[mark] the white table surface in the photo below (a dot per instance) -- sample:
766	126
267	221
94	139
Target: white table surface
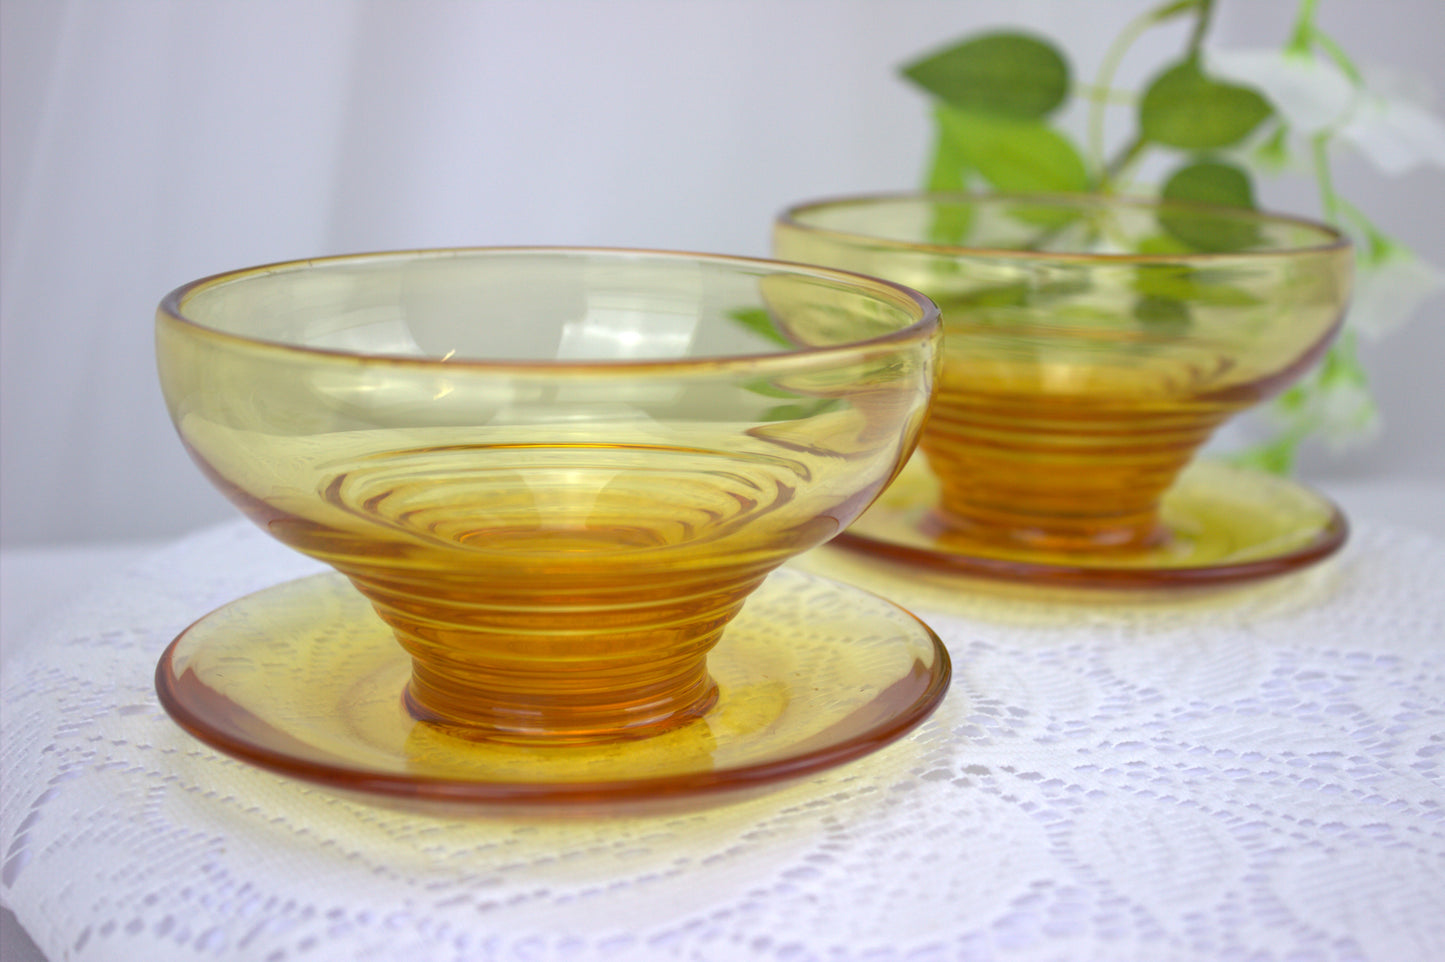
35	579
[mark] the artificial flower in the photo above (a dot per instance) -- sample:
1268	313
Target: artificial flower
1396	135
1391	283
1309	93
1314	95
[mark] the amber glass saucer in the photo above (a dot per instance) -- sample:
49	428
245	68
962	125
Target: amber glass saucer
303	679
1224	524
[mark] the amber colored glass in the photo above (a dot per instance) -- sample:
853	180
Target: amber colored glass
1092	346
303	679
557	475
1225	524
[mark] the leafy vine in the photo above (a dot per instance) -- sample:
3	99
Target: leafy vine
1221	118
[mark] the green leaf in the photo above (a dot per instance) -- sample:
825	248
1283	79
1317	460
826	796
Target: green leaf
1183	108
1206	229
1015	155
1272	154
948	173
1210	182
1190	285
1276	456
1003	73
1217	184
1052	216
947	170
765	387
1012	294
950	224
1164	315
1163	244
796	412
759	321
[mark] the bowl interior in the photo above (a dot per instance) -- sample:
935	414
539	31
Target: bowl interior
510	402
1084	296
1086	225
546	306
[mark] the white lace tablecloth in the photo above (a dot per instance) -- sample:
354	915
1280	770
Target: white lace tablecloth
1253	775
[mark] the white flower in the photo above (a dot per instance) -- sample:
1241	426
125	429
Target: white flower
1345	414
1313	95
1396	135
1309	93
1391	283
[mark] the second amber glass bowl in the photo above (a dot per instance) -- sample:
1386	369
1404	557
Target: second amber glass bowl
1092	345
556	475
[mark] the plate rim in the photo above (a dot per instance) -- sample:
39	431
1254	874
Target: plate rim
1331	536
483	794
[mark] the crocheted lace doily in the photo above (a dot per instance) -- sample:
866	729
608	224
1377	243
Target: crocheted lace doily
1248	775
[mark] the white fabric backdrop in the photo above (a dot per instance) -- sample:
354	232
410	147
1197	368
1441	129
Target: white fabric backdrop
147	143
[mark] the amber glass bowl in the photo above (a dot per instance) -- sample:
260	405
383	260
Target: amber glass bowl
555	474
1092	345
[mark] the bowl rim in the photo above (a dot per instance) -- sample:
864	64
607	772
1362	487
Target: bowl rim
927	326
1332	239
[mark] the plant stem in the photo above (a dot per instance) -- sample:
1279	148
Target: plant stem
1109	66
1304	27
1329	200
1338	55
1203	17
1120	163
1201	27
1100	95
1377	244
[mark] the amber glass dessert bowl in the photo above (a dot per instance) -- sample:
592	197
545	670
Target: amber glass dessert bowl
555	476
1092	346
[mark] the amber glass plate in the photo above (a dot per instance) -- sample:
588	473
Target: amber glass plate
304	680
1224	524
